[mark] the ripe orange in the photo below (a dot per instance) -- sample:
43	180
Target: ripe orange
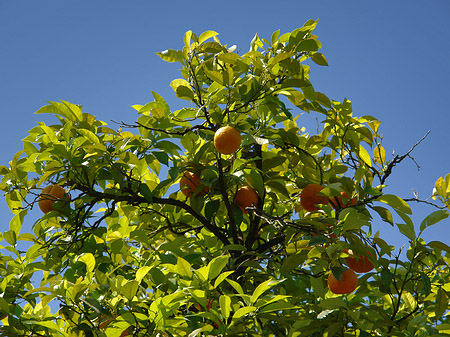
49	195
189	184
309	197
245	197
338	203
227	140
346	285
360	264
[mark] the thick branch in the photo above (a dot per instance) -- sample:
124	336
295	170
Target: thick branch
136	199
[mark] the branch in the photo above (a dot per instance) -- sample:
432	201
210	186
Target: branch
167	132
136	199
398	159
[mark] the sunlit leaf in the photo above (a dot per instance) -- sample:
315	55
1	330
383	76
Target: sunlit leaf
395	202
433	218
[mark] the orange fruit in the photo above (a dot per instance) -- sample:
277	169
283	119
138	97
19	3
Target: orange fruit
189	184
227	140
309	197
245	197
49	195
337	202
360	264
347	284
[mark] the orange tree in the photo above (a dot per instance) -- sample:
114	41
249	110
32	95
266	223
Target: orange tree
129	253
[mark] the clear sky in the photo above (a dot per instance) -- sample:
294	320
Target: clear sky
391	58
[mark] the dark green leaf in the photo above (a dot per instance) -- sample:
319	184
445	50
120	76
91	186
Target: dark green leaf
211	208
162	157
293	261
308	45
439	245
426	283
386	277
337	272
145	191
319	59
407	230
441	303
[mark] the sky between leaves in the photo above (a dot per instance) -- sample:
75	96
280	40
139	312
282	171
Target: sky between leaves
391	59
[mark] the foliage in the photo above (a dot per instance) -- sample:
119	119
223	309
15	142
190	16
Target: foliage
130	253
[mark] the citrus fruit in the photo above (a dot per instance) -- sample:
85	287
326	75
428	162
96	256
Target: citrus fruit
309	197
338	203
227	140
360	264
49	195
245	197
347	284
189	184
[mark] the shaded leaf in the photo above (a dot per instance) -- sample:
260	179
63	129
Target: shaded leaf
319	59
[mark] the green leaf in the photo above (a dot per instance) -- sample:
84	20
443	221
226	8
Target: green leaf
171	55
184	268
441	303
65	109
308	45
145	191
140	274
407	230
216	76
89	260
236	286
10	237
211	208
216	266
379	155
433	218
243	311
254	179
211	47
130	289
319	59
386	277
384	214
221	278
426	282
263	287
182	89
4	307
439	245
206	35
157	276
225	305
16	222
395	202
293	261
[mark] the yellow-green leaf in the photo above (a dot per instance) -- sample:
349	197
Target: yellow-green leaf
379	155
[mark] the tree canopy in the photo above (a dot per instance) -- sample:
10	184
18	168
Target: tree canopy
149	228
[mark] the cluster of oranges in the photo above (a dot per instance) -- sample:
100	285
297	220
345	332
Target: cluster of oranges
227	140
310	198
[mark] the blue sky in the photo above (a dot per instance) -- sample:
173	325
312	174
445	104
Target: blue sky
391	58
